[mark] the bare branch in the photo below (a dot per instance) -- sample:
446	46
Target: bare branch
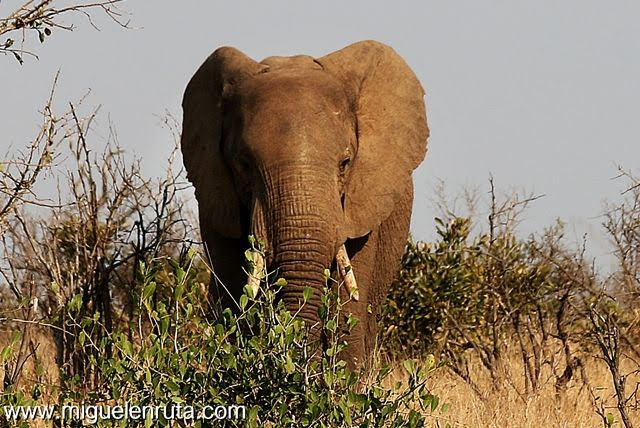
41	17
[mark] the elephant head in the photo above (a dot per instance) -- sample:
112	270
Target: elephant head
303	153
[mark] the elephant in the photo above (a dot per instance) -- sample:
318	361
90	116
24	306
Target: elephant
314	157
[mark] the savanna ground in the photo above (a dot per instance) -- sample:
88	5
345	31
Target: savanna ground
103	299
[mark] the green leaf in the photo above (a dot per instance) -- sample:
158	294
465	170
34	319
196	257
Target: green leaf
229	361
164	325
148	291
307	292
173	388
6	352
323	311
191	253
253	413
383	372
75	303
243	301
249	291
430	362
180	274
434	402
352	321
178	292
610	419
289	366
409	366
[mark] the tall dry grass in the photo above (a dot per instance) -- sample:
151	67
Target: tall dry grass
546	408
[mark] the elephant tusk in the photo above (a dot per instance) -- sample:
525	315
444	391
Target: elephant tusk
256	273
346	272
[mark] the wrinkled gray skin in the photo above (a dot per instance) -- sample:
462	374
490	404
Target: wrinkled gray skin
307	154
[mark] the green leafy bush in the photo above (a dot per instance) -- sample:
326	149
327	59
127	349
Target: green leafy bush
435	281
482	294
259	356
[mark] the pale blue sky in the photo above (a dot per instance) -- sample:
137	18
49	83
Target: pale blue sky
542	94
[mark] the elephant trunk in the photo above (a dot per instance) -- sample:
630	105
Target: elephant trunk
302	262
301	228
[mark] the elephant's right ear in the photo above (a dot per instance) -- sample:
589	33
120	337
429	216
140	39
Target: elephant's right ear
218	201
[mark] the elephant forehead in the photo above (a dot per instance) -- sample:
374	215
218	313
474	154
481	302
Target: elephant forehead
293	108
293	88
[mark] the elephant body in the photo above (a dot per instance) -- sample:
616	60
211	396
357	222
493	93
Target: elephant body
307	155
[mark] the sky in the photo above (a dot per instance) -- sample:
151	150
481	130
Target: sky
542	95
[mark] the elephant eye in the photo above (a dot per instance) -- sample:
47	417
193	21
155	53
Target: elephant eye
344	164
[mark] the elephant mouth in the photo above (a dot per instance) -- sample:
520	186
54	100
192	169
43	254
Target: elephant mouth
342	262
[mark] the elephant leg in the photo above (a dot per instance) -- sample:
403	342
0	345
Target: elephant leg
362	252
228	278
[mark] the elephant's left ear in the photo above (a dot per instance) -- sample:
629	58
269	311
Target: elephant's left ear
391	125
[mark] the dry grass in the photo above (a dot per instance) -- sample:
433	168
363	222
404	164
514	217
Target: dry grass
41	365
505	407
